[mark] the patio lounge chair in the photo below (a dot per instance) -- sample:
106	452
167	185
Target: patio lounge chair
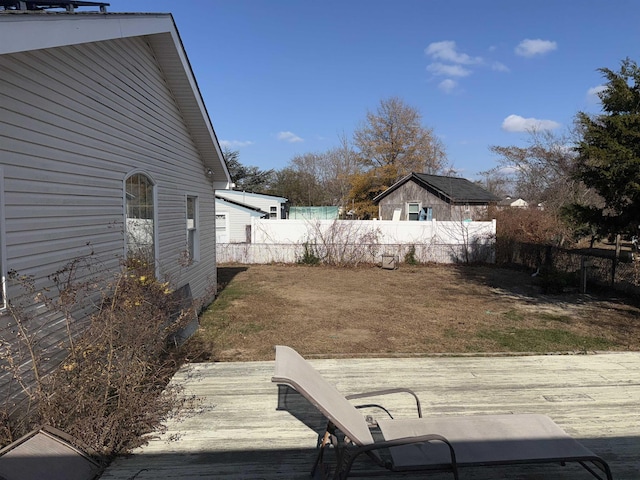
442	443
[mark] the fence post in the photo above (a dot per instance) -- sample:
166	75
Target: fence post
614	264
584	264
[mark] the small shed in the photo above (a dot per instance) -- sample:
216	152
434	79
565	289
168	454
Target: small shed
420	196
237	208
233	220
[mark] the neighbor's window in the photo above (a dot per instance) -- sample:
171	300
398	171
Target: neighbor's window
192	229
140	214
426	214
413	211
273	211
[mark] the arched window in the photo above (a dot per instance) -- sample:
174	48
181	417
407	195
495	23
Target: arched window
140	215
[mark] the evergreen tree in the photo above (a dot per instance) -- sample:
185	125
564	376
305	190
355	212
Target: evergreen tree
247	178
609	153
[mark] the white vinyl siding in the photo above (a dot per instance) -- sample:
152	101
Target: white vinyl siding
222	227
238	219
84	117
3	257
75	122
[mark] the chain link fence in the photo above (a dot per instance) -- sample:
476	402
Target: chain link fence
601	267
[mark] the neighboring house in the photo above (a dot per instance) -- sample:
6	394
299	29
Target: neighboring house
419	196
105	147
237	207
509	202
272	205
233	220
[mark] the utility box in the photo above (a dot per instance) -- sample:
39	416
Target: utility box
389	262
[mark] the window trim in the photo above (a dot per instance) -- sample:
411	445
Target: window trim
194	256
156	247
417	213
274	209
226	225
3	246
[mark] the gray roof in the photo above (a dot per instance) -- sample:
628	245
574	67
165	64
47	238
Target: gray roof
242	205
452	189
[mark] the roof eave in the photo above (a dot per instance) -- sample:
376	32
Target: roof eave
65	29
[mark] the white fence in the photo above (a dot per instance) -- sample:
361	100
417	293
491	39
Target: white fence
362	241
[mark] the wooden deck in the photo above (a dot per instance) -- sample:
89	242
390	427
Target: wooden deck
231	429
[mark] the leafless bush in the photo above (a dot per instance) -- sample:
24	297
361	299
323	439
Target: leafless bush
341	243
110	390
471	245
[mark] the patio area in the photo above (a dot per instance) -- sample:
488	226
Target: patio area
230	427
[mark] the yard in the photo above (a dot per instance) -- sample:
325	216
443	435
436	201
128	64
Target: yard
414	310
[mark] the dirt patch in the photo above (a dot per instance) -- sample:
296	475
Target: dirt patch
428	309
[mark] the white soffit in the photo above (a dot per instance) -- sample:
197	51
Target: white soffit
20	32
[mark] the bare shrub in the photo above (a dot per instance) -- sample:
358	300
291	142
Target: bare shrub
341	243
467	243
110	390
529	226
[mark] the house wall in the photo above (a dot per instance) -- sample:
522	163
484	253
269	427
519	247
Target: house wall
238	219
411	192
74	122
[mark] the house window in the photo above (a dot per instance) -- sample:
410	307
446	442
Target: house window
3	253
426	214
222	235
273	211
413	211
140	217
193	249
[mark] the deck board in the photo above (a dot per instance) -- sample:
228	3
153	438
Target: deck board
230	428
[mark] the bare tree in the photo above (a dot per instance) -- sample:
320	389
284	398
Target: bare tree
319	178
393	136
543	172
342	163
497	181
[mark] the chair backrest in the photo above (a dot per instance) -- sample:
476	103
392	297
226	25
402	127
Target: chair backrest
293	370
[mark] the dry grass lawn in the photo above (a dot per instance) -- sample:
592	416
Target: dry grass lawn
414	310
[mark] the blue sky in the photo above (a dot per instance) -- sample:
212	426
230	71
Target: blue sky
287	77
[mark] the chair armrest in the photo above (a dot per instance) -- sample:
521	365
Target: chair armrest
389	391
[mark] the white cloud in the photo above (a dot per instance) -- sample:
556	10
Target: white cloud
447	61
448	70
499	67
446	51
530	48
289	137
516	123
448	85
593	93
235	143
